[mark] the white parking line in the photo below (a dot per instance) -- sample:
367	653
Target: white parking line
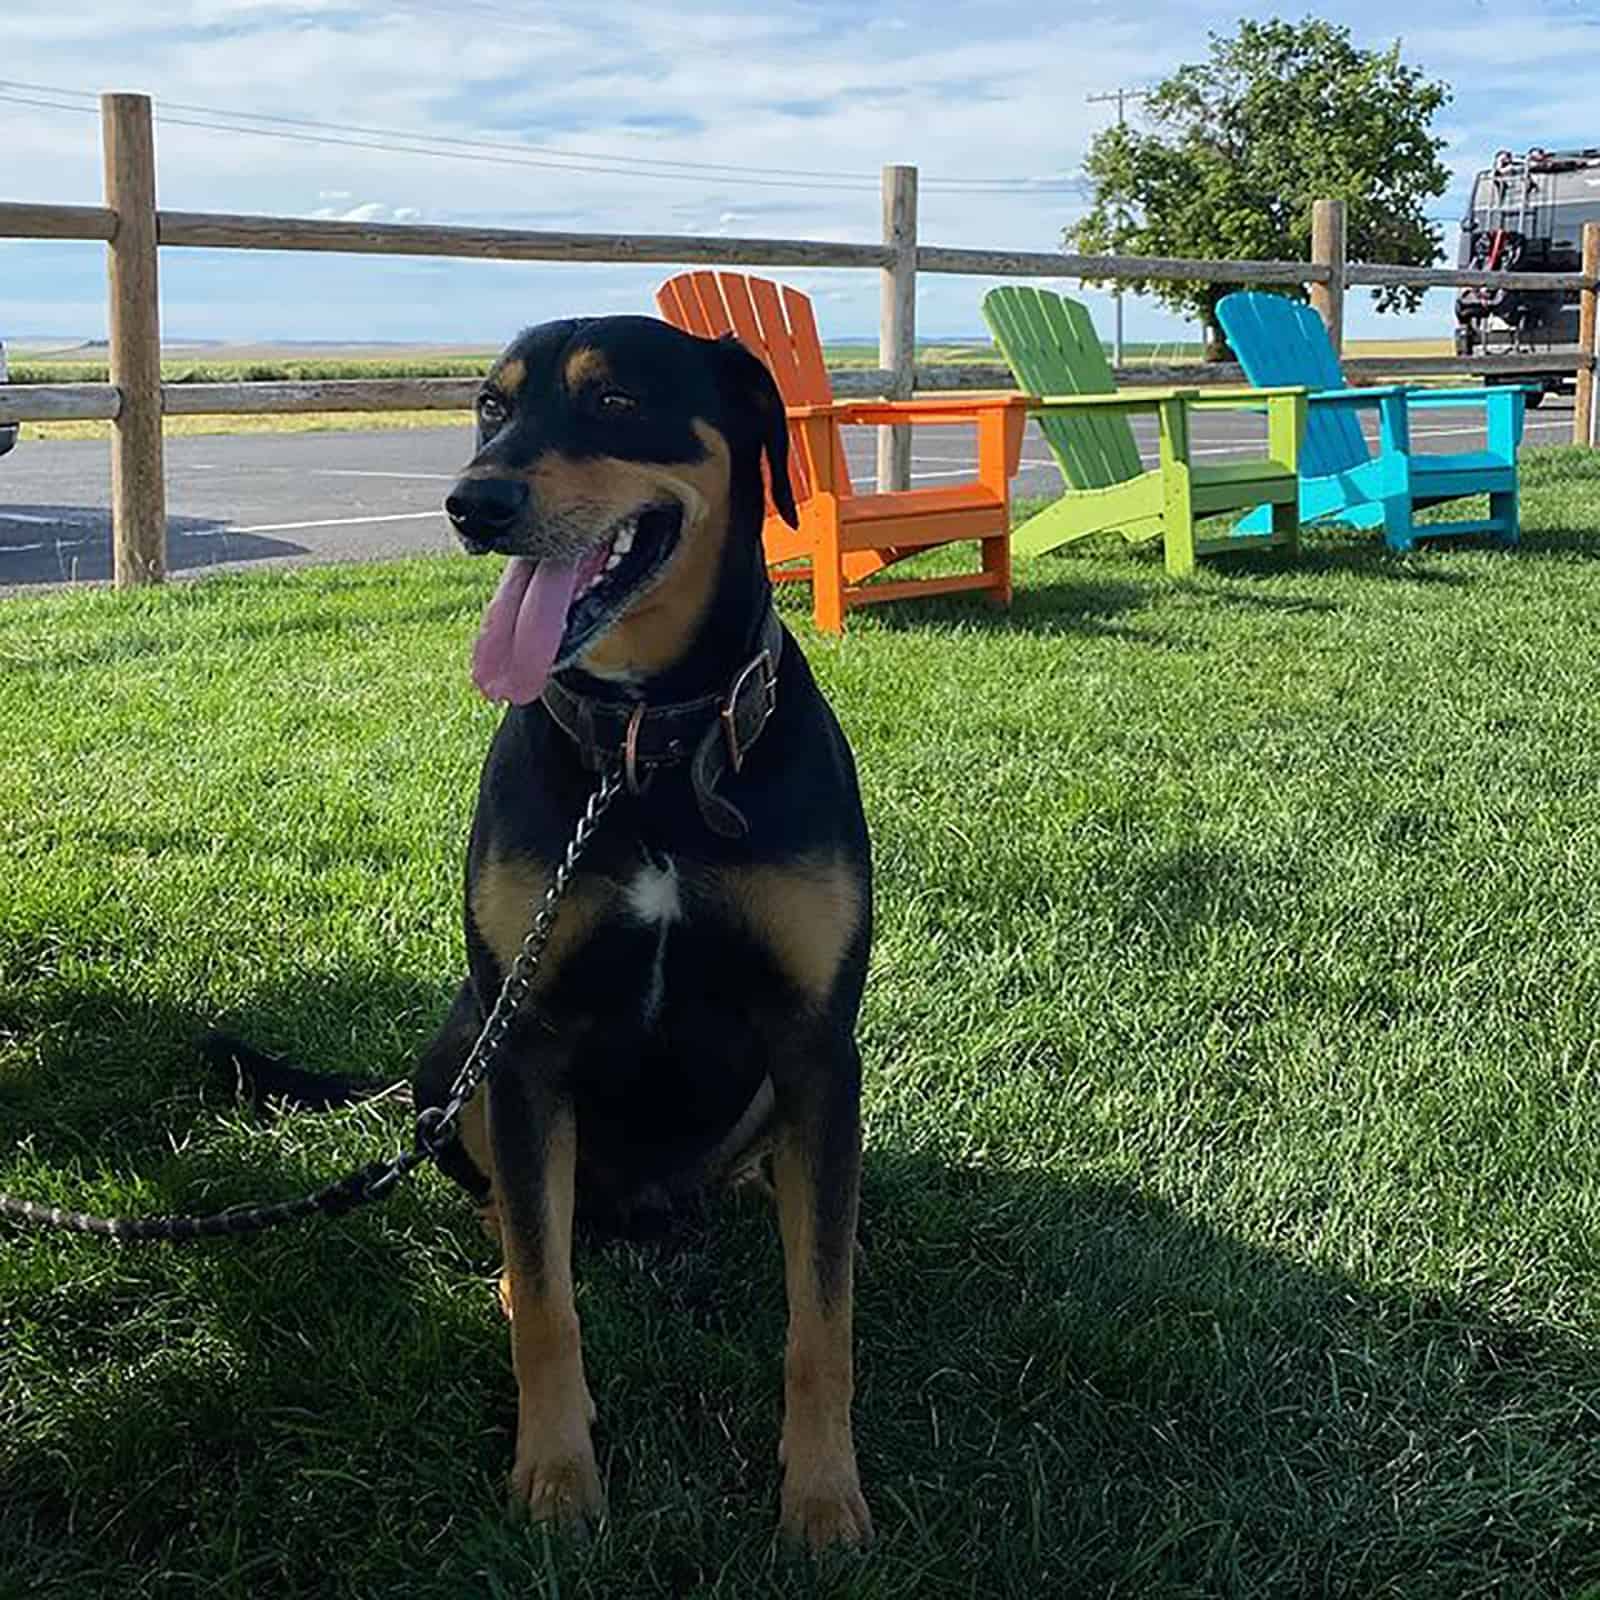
362	472
327	522
215	533
319	472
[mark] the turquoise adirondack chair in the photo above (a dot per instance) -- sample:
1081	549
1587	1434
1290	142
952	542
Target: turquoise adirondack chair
1281	341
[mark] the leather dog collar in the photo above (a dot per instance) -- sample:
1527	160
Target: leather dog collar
713	732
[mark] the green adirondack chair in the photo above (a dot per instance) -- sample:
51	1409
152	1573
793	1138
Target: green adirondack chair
1051	346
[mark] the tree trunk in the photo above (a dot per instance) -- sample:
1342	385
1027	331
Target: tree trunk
1217	346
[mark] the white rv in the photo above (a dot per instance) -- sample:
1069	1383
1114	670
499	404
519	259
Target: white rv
1526	215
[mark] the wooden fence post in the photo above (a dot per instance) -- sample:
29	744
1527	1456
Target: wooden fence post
897	322
1327	250
1583	406
138	487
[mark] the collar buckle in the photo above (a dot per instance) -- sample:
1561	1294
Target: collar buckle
729	712
630	751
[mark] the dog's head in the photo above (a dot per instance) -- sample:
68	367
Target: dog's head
617	460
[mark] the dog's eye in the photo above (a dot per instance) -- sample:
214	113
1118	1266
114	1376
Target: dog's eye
491	410
614	403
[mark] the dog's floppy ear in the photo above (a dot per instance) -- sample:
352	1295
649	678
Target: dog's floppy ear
751	394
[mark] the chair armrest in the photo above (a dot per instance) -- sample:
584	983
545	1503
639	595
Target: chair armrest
1357	397
1468	397
1122	400
927	408
1244	397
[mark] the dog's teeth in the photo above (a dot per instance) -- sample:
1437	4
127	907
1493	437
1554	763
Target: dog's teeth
622	544
613	560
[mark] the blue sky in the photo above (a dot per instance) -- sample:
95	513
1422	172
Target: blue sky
965	91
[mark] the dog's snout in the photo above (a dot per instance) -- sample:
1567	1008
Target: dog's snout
486	510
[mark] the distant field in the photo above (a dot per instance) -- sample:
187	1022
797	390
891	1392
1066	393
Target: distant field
1399	347
269	363
190	369
263	364
266	364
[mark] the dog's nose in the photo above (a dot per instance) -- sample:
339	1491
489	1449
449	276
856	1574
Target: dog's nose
486	510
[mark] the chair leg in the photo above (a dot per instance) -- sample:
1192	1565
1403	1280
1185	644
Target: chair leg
997	563
1395	496
1398	532
1054	525
1506	510
1177	540
1286	525
1177	491
827	583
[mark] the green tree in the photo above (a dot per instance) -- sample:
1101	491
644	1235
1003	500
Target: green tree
1281	114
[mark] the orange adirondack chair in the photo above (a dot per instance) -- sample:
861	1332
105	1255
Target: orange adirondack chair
844	536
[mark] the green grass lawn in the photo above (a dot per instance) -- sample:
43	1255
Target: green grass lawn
1232	1196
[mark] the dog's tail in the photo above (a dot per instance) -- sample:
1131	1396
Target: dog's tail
263	1077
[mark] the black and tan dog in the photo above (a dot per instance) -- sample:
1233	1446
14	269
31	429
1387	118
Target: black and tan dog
698	998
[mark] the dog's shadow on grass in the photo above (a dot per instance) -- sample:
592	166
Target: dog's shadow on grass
1059	605
1085	1382
113	1081
1567	543
1056	596
1087	1354
1079	1377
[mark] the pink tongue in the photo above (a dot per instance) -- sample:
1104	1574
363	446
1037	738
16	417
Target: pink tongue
522	629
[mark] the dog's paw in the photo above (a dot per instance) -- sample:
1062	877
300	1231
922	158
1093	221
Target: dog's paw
825	1512
563	1491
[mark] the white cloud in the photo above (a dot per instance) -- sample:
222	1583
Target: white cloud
368	211
963	91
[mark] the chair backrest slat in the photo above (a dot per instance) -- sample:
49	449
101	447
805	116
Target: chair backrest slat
1281	341
1050	343
775	323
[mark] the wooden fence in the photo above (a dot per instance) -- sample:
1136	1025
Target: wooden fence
135	230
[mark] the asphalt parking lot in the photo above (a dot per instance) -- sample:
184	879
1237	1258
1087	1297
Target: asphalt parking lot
244	501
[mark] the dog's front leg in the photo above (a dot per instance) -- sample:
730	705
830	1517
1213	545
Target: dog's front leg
534	1139
816	1167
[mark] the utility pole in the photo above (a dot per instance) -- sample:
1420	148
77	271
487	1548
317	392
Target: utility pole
1121	96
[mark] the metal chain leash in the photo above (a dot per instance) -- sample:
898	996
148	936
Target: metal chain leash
436	1126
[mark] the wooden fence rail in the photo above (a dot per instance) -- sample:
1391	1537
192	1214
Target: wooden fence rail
70	402
135	230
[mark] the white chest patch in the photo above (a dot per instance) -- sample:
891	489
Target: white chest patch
652	896
653	893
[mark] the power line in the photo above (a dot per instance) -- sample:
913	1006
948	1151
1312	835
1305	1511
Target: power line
477	157
444	139
552	159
